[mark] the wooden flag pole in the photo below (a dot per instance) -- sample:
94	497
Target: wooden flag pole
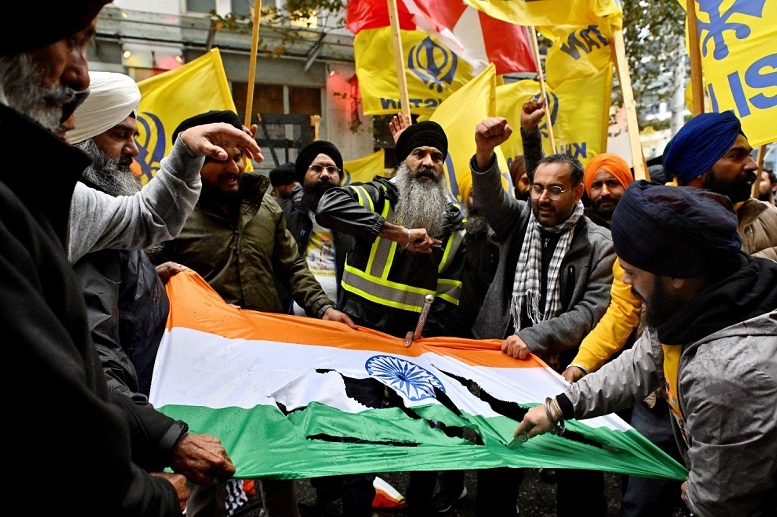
252	64
622	67
399	57
694	51
760	162
536	49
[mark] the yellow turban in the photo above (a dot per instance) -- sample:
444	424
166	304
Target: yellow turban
613	164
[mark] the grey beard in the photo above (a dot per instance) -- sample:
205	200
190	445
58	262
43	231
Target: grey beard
109	175
20	83
422	204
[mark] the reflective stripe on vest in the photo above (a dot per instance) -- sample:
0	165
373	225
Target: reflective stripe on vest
373	284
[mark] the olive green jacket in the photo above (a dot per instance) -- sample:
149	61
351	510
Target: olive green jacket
243	256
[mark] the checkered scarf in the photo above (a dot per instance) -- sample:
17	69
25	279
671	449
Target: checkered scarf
527	285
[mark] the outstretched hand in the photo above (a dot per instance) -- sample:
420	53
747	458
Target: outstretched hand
398	124
535	422
213	140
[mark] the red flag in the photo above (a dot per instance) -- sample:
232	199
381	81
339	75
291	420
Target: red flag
472	34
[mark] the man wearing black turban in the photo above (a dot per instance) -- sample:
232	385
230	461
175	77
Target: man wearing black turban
712	152
67	422
714	308
408	228
236	212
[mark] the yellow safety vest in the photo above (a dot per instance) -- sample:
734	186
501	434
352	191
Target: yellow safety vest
372	282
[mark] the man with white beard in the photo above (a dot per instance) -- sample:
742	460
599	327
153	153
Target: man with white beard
126	301
408	244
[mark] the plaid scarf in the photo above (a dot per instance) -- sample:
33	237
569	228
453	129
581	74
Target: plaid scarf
527	286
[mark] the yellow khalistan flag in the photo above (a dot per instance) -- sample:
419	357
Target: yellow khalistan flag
578	109
432	71
553	12
458	115
738	62
364	169
171	97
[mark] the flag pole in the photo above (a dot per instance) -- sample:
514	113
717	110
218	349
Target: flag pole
694	51
622	67
252	64
536	49
760	161
399	57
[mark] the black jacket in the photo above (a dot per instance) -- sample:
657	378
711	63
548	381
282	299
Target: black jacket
127	308
339	210
58	404
300	225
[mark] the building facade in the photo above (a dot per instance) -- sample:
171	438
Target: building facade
304	81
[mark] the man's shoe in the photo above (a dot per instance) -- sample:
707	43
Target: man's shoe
444	501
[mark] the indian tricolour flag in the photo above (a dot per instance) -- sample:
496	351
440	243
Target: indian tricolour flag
270	386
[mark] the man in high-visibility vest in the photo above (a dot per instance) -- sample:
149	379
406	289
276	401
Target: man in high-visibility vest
408	245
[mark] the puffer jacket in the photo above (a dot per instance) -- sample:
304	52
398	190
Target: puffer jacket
758	228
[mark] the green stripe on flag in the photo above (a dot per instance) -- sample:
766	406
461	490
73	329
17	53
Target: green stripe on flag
320	441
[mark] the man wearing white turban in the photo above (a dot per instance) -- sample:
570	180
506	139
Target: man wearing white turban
112	98
126	301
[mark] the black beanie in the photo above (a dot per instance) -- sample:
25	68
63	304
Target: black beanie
679	232
308	153
426	133
211	117
283	174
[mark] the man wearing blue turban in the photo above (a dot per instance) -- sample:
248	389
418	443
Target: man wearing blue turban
713	153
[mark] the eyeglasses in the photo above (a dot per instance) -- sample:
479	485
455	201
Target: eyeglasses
554	191
318	169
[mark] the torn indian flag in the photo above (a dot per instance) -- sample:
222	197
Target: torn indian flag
270	386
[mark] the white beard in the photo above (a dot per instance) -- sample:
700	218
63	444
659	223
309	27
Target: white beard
422	204
21	82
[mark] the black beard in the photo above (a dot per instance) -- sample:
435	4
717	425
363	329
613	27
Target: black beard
114	177
230	199
21	81
661	307
604	213
737	191
312	192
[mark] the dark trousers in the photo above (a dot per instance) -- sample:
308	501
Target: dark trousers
498	491
647	497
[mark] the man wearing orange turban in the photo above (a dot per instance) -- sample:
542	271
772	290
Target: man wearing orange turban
606	178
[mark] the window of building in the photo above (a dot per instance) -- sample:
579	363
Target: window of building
200	6
288	118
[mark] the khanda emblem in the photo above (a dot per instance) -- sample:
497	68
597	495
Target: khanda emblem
434	64
152	144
